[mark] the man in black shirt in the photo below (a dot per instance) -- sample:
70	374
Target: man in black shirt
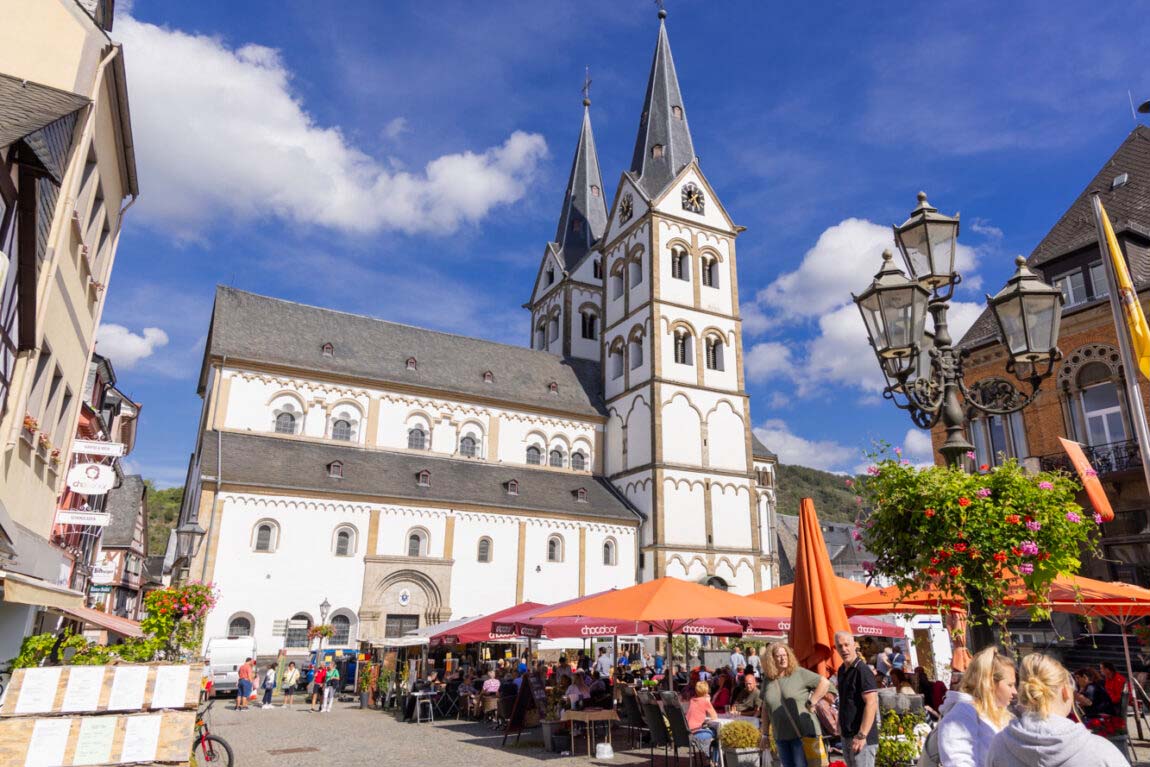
858	705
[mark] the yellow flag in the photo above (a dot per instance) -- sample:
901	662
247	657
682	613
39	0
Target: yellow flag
1128	297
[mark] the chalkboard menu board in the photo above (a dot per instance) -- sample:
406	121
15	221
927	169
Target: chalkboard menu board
531	690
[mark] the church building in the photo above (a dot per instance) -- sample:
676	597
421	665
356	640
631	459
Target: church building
382	477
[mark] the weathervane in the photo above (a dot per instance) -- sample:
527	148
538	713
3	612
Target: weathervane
586	90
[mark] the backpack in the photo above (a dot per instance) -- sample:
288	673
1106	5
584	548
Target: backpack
929	756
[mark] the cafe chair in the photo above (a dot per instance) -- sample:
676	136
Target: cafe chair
680	732
659	734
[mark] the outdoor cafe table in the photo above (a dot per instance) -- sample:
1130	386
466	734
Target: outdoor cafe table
588	717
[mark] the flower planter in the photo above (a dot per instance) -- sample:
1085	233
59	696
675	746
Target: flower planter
364	699
742	757
552	740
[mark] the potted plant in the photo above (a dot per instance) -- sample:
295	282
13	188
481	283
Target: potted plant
31	425
740	744
551	723
365	684
1113	728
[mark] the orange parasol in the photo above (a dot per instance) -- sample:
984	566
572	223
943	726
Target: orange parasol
891	599
817	609
784	595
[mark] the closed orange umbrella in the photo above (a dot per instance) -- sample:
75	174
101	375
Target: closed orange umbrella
960	657
816	609
784	595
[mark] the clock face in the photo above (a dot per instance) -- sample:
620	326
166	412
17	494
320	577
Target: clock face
627	207
693	198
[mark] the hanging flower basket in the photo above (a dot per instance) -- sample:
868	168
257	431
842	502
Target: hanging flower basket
31	425
54	456
44	442
326	631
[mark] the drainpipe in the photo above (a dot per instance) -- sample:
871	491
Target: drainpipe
219	470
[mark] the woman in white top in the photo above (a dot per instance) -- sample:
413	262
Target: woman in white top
291	679
1045	736
578	692
972	716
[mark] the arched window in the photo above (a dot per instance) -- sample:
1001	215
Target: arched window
656	151
714	354
680	264
340	631
578	461
412	363
469	446
581	495
423	479
417	543
534	456
555	458
635	352
715	582
1101	407
615	362
484	553
297	629
335	469
617	284
239	626
635	271
683	347
710	273
285	423
265	537
598	268
416	439
488	377
341	429
541	337
590	325
555	548
551	275
327	350
344	542
512	487
609	553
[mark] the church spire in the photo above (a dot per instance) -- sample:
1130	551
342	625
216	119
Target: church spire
584	215
663	146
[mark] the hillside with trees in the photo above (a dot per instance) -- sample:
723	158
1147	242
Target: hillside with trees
163	513
834	501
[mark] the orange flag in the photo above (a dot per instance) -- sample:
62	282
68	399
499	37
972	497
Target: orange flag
1089	479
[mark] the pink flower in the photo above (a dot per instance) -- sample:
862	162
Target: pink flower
1033	526
983	492
1045	486
1026	568
905	462
1029	548
850	483
872	470
1097	518
1072	517
898	451
856	535
970	454
868	566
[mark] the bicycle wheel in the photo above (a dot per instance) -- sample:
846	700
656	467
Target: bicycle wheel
214	750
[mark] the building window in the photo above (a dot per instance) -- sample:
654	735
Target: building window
285	423
424	478
484	553
635	270
597	268
239	626
335	469
534	456
327	350
412	363
656	151
635	352
683	348
540	337
400	625
555	458
609	553
581	495
513	487
553	325
553	387
680	264
416	439
488	377
590	325
710	273
998	438
417	543
340	631
1101	408
297	629
714	354
341	430
615	362
555	549
578	461
344	542
468	446
617	284
677	112
1082	284
265	537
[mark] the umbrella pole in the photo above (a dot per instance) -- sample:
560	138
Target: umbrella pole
669	663
1130	678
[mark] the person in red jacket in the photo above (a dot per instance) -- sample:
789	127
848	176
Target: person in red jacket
1115	683
317	687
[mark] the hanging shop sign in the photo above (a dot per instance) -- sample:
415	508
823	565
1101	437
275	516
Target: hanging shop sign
91	447
91	478
72	517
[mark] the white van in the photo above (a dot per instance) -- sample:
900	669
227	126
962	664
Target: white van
224	656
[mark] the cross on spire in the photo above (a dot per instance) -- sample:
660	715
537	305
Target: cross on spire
662	10
586	90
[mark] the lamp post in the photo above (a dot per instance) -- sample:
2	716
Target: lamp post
923	371
324	606
189	537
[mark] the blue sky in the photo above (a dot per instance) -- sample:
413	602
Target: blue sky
407	160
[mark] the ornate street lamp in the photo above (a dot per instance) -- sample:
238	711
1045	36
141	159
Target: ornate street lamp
324	606
189	537
923	370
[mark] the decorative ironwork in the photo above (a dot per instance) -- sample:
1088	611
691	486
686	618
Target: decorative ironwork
1109	458
995	396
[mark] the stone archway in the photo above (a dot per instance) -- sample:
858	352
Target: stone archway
413	598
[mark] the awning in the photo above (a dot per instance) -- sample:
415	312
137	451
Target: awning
26	107
24	590
114	623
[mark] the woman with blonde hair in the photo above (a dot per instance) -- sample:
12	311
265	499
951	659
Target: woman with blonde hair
1044	736
790	693
975	713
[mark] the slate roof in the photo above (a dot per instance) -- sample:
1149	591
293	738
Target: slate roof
659	125
846	560
264	329
293	464
26	107
123	505
1128	207
759	450
584	216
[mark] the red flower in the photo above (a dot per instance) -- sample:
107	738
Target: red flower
934	560
983	467
955	572
1016	551
944	554
964	501
960	547
1000	556
1044	555
929	512
1013	519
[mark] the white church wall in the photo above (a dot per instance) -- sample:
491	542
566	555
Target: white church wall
682	429
616	301
254	400
638	430
726	437
731	513
601	576
396	524
686	566
478	587
518	431
550	581
684	509
638	210
637	487
738	572
712	215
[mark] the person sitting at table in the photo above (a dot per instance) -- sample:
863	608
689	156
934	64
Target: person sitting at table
722	690
748	696
699	712
600	692
490	684
578	692
680	675
563	672
899	682
1092	695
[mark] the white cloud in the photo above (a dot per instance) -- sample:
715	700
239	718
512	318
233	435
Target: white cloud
769	360
124	348
916	447
798	451
755	322
841	354
395	128
219	131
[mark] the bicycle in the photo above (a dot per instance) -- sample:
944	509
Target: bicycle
206	747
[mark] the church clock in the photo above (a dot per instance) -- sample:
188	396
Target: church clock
693	198
626	207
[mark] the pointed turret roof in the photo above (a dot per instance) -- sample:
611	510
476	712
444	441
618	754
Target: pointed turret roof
662	124
584	215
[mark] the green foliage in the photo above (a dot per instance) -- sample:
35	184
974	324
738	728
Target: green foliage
967	534
739	735
898	742
75	650
175	618
163	513
833	498
684	647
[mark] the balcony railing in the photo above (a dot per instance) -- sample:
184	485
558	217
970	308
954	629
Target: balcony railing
1106	459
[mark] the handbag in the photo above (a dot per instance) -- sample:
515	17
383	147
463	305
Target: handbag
813	748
